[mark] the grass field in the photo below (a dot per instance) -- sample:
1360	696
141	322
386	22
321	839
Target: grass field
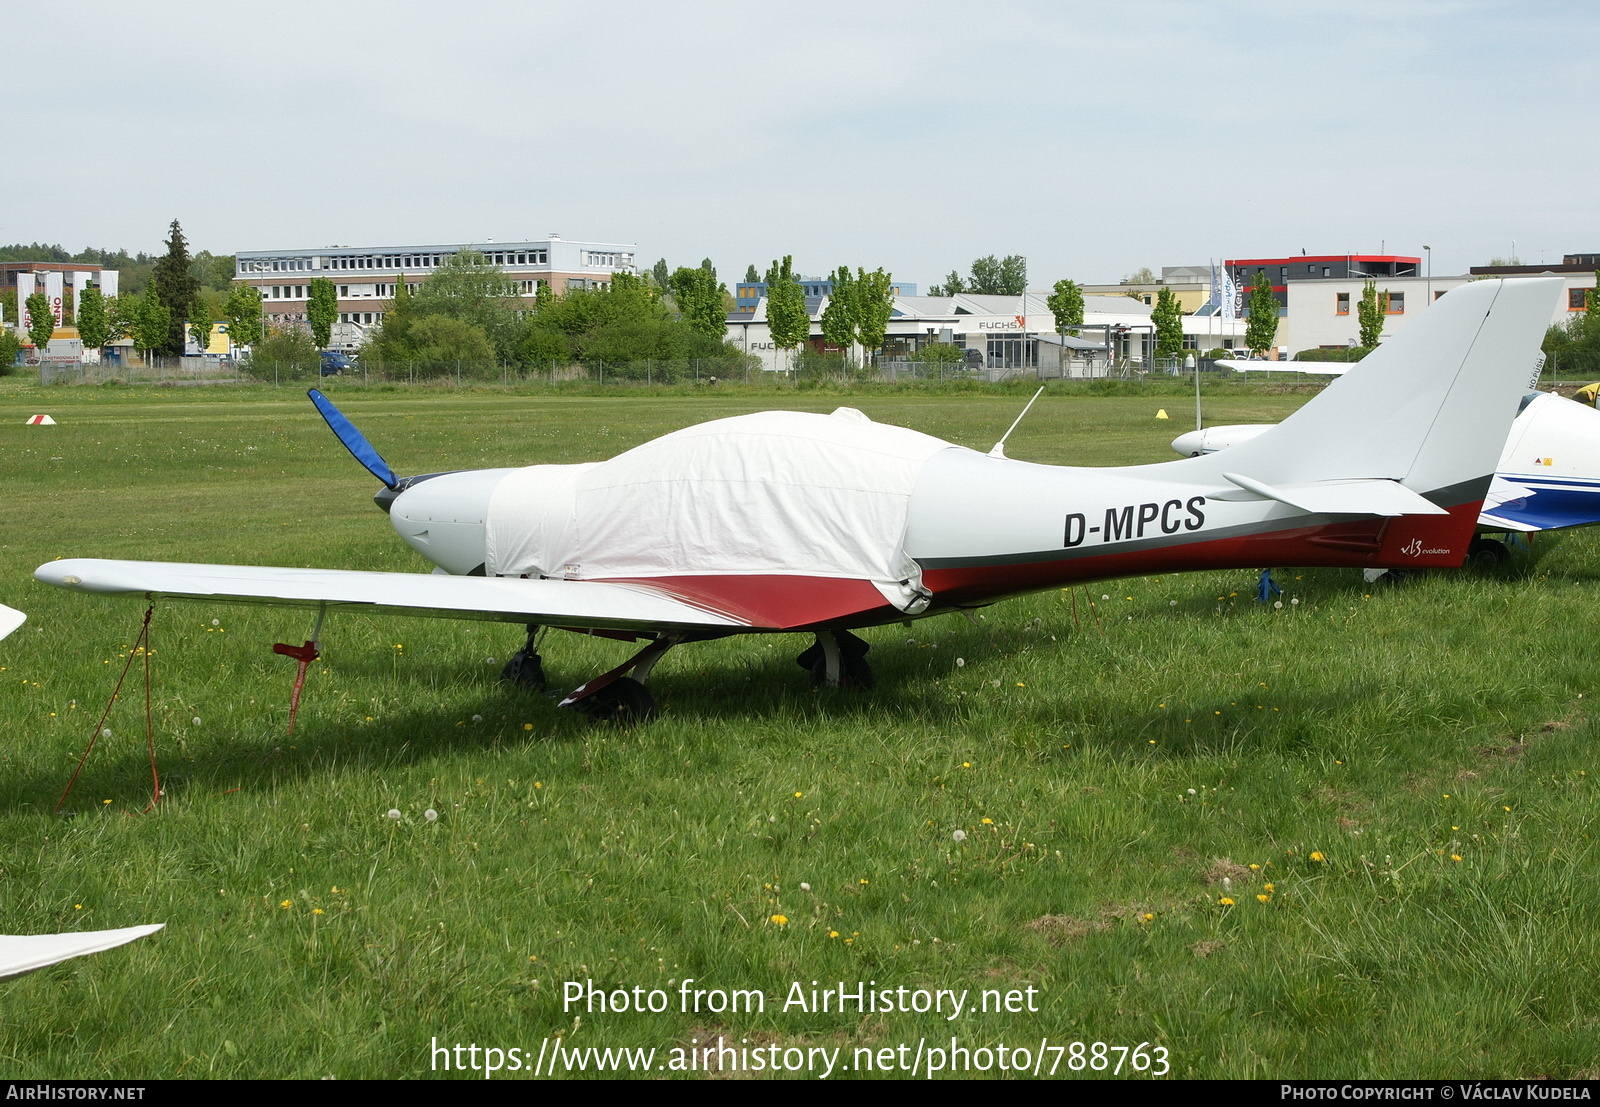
1393	785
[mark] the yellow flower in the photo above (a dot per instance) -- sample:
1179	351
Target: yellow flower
780	920
1021	685
1455	857
1505	809
798	795
849	941
1255	866
287	903
1225	901
1263	898
1147	916
986	822
966	764
1268	886
108	801
317	911
863	882
77	907
1316	855
833	933
527	726
538	784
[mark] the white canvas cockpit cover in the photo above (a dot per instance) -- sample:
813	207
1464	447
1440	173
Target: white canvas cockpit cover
776	492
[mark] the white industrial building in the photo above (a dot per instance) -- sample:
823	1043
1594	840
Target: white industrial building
1323	313
365	276
1007	333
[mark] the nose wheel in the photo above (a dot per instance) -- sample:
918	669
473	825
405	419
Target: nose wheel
838	658
525	669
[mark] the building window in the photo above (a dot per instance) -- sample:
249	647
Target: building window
1577	299
1325	271
1341	303
1397	303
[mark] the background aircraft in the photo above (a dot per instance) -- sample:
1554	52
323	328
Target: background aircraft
10	619
786	521
1548	476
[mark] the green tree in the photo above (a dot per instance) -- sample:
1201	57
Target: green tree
874	304
41	321
1168	320
1140	276
787	317
699	297
150	321
839	317
322	309
660	273
471	288
952	286
751	274
201	317
94	323
992	276
1066	304
1371	313
10	347
176	288
242	312
284	353
1261	314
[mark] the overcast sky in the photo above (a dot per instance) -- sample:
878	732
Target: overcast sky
1093	138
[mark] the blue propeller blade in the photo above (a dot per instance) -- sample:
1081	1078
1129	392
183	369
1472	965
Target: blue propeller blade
354	441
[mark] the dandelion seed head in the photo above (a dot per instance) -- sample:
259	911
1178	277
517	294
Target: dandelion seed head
195	721
804	887
394	813
431	815
958	835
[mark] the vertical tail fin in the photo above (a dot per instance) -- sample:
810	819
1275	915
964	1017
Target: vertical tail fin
1430	408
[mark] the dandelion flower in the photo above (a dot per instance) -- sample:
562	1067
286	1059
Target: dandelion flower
799	795
1264	898
988	822
430	814
864	882
1147	916
1316	855
105	801
105	732
1192	792
1255	866
958	835
1268	886
961	663
780	920
318	911
216	622
195	720
1021	685
1455	857
1225	901
286	904
966	764
527	726
833	933
1505	809
804	887
394	813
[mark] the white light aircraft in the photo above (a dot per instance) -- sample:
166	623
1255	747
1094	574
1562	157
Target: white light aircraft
1547	478
789	522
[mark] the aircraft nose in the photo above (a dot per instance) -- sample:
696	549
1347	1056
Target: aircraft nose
1190	443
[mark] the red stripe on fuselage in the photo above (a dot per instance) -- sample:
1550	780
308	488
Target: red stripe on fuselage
773	601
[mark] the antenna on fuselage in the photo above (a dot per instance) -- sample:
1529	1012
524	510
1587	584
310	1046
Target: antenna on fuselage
999	449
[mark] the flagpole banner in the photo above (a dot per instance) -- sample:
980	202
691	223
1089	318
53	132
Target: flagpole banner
24	290
52	289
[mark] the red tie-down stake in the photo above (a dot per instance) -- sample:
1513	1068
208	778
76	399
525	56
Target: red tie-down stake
304	655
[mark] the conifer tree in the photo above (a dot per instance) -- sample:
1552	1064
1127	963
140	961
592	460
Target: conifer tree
176	287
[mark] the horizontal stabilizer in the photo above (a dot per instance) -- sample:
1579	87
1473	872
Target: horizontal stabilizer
20	953
1343	497
579	603
10	619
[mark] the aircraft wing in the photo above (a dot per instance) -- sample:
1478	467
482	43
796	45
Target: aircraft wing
10	619
576	603
1320	368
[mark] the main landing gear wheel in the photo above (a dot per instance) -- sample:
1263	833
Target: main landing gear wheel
848	661
1487	554
525	669
624	701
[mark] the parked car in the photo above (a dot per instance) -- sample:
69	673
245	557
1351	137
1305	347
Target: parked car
333	363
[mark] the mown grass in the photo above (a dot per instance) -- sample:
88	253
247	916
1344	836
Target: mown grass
1110	771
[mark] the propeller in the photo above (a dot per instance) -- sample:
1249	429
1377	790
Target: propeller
354	441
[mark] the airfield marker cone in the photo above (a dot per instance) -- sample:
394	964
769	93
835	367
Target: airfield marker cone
40	421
